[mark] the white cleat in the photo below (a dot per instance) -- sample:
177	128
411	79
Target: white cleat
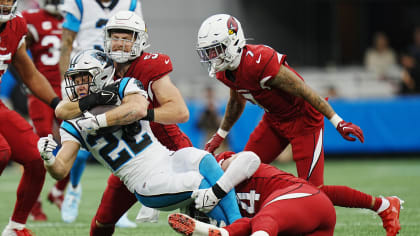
70	207
147	214
124	222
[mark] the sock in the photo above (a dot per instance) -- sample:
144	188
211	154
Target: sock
383	206
29	189
78	167
217	213
61	184
15	225
347	197
211	171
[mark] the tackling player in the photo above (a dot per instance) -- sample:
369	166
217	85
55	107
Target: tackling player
158	177
15	130
294	113
272	202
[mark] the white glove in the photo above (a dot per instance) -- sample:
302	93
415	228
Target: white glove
90	123
45	147
205	200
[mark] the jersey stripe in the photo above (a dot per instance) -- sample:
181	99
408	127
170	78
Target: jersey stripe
133	5
123	85
69	128
80	6
71	22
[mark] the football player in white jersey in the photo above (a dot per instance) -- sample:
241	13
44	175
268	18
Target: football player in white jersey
83	29
124	144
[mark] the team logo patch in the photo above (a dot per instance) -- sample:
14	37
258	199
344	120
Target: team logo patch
232	25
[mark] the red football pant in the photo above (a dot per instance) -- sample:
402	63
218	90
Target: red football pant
311	215
18	136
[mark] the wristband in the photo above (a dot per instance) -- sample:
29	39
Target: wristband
101	120
222	133
335	119
150	115
55	102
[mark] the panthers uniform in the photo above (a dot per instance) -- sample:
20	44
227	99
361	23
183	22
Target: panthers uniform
89	27
45	49
278	202
146	167
287	118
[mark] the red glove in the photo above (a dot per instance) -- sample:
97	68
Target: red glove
347	128
214	143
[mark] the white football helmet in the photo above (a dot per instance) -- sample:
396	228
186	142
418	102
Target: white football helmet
8	12
219	43
126	22
95	66
52	6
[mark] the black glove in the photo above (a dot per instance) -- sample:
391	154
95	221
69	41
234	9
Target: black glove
112	88
102	97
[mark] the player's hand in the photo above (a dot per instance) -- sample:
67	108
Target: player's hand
46	146
205	199
346	129
214	143
102	97
89	123
111	88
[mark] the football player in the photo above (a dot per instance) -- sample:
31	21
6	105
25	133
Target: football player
294	113
44	42
159	178
272	202
83	29
15	130
166	108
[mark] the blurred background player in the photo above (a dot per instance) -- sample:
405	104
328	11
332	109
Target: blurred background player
294	112
15	130
272	202
44	42
83	29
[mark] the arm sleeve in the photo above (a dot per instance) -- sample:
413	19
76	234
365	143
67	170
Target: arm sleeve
71	23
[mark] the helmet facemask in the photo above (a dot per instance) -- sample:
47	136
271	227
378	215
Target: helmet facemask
123	53
52	6
7	12
74	79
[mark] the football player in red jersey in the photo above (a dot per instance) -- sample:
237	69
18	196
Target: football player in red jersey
125	42
272	202
17	139
44	42
294	113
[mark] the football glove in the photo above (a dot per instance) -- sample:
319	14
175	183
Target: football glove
214	143
205	199
90	123
102	97
46	146
346	129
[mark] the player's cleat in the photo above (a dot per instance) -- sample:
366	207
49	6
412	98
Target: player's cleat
36	213
147	214
124	222
390	216
188	226
15	232
56	200
70	207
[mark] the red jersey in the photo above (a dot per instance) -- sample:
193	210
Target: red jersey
46	30
259	64
11	38
148	68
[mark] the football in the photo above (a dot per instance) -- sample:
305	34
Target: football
102	109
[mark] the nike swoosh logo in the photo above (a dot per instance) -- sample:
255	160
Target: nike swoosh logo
167	61
259	59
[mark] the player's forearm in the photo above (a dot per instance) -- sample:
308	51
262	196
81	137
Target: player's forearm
66	48
234	109
57	170
127	112
172	113
40	87
67	110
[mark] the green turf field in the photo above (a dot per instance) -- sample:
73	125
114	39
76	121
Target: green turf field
379	177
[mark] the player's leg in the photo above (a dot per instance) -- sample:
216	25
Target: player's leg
5	153
23	143
70	207
265	142
108	212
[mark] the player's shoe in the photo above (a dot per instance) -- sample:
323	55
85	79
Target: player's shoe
124	222
15	232
188	226
70	207
147	214
391	216
36	213
56	200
